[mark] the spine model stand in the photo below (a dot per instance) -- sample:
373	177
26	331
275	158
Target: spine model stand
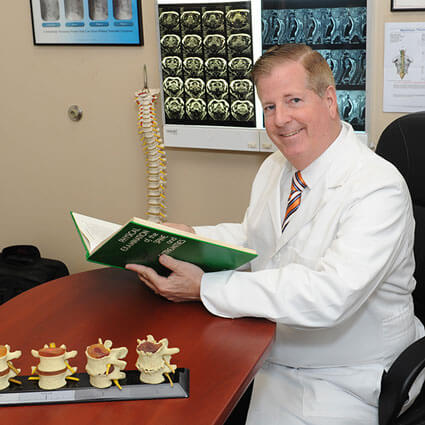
156	160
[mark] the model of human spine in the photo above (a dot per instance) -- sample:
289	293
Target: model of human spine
156	160
103	364
154	360
7	370
53	368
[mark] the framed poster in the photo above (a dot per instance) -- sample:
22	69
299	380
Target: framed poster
399	5
87	22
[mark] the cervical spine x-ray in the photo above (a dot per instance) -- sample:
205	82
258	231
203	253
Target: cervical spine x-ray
337	30
206	58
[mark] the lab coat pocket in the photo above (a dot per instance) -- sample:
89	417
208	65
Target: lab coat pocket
399	331
338	392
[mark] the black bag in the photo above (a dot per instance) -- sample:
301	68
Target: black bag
22	268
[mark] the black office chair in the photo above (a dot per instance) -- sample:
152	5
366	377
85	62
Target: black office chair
403	144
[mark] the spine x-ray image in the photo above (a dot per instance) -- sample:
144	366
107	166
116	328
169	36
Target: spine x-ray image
74	10
49	10
206	57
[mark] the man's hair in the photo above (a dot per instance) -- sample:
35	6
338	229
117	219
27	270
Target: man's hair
319	75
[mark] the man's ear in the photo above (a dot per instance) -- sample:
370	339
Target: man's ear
331	101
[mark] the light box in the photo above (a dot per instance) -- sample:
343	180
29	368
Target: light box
208	48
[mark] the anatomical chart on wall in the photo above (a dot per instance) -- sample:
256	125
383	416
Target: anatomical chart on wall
404	72
337	30
206	59
109	22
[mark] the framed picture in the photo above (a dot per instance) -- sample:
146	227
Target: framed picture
407	5
87	22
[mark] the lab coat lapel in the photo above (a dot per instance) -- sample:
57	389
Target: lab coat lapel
274	202
348	153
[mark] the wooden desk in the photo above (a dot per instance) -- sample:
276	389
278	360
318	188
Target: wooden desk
223	355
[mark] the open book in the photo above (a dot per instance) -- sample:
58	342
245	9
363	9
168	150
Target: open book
142	242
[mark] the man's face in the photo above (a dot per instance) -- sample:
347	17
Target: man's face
299	122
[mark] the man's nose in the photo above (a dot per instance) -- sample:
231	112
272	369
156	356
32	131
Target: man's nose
282	116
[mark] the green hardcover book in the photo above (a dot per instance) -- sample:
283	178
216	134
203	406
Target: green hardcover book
142	242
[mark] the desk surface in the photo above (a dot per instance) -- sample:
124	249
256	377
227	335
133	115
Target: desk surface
223	355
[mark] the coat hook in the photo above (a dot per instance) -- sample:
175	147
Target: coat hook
145	75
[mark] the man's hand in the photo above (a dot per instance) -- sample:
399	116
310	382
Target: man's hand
183	284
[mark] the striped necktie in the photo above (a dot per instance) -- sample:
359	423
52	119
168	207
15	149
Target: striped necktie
294	199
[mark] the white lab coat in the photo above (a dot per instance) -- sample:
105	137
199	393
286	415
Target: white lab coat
337	282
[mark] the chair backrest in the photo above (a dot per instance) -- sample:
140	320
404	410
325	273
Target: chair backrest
403	144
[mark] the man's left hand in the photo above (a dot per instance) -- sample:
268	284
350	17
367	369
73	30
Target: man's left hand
183	284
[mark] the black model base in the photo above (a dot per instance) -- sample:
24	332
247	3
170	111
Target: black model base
81	391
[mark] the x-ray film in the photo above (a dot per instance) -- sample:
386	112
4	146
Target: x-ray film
206	59
337	29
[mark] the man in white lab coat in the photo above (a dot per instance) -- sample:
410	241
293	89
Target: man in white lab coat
335	264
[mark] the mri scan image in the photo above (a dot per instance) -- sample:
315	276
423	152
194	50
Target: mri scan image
239	19
194	87
348	68
352	107
173	86
242	110
239	43
214	44
294	27
213	20
242	89
216	67
196	109
192	44
193	66
312	27
172	65
332	58
217	88
218	110
190	20
361	74
170	43
273	27
174	108
240	66
169	20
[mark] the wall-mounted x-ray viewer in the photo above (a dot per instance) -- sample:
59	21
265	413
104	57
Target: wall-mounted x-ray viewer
207	49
